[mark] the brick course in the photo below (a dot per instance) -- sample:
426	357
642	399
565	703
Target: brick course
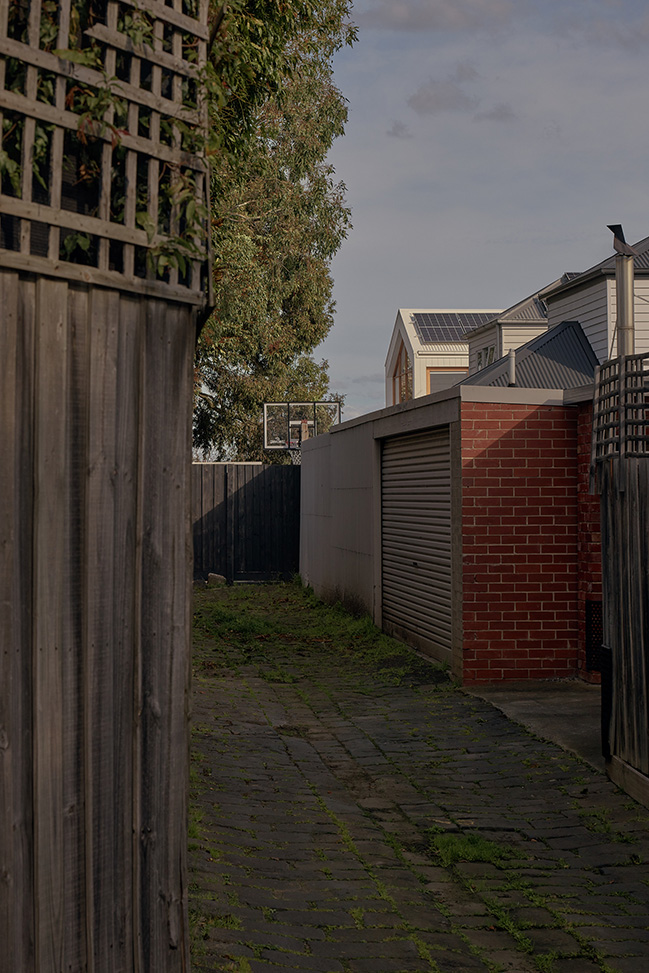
521	535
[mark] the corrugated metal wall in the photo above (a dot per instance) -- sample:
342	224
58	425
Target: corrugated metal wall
416	539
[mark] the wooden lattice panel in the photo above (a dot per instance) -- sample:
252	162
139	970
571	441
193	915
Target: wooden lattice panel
621	408
102	171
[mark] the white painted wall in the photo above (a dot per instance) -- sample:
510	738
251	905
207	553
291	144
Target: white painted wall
513	336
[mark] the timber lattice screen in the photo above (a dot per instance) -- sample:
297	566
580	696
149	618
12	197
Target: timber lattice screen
621	408
620	474
102	172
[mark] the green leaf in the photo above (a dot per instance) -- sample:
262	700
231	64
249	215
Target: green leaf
89	58
144	220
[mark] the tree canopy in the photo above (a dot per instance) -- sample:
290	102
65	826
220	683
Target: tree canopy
278	215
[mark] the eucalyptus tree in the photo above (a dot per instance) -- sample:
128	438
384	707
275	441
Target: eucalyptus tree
278	216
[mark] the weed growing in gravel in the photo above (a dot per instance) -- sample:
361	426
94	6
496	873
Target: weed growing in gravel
546	961
255	625
598	821
509	924
450	848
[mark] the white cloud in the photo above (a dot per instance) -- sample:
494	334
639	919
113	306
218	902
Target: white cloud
619	32
524	192
434	15
499	113
399	130
434	96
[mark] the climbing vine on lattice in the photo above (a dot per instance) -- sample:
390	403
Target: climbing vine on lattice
104	138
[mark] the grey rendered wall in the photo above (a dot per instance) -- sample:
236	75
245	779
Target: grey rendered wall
340	519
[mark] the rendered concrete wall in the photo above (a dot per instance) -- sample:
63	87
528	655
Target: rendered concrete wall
339	521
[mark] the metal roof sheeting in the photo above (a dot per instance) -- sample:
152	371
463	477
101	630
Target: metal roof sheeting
560	358
532	310
605	267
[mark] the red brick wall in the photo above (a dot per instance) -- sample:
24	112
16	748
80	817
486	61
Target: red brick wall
589	539
519	538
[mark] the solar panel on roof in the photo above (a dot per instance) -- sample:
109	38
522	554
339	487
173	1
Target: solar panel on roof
447	325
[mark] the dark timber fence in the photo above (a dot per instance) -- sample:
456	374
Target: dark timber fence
246	520
96	344
621	476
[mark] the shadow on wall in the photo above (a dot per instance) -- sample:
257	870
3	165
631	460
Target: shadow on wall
246	521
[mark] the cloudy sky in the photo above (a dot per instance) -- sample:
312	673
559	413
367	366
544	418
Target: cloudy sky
489	143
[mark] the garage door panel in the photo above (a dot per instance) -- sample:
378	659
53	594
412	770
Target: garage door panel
416	538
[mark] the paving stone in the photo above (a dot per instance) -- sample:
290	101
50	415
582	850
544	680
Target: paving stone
623	964
574	965
512	962
549	940
531	916
319	796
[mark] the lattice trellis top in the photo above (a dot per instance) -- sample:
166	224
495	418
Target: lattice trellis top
621	409
102	171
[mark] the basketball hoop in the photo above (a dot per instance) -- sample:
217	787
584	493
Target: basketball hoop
289	424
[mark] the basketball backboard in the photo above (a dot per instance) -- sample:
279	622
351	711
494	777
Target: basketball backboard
288	424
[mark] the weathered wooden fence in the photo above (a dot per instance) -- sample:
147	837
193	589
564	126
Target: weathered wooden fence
621	476
97	337
246	520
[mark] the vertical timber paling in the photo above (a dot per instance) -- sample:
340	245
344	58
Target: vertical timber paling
620	456
97	343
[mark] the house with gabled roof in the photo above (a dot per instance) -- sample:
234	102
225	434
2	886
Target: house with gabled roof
590	298
512	328
461	518
558	358
428	351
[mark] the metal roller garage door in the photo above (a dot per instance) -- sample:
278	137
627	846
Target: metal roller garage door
416	539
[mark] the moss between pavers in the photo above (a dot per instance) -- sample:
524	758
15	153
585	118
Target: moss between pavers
280	635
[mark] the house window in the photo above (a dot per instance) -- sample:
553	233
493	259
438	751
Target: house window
486	356
444	377
402	377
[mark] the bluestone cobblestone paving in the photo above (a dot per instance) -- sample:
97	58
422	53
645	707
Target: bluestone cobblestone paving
324	792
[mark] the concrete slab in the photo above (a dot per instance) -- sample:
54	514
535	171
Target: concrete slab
567	712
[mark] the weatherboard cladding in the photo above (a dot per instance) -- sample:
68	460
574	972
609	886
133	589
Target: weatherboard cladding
560	358
432	327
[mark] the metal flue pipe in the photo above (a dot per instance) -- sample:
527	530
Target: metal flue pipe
624	291
511	363
624	302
